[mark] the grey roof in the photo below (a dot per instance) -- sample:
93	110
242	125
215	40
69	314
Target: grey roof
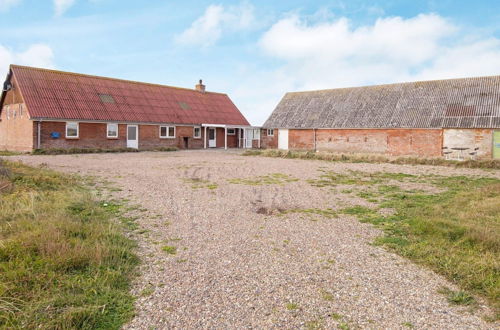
460	103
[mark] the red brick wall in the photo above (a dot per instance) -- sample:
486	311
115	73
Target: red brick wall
16	132
93	135
422	142
232	140
269	142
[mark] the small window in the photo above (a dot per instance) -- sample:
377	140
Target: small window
112	131
197	132
72	129
231	131
270	132
106	98
167	132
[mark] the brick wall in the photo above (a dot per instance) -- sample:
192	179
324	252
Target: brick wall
16	129
417	142
93	135
267	141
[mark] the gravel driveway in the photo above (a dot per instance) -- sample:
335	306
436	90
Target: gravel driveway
239	263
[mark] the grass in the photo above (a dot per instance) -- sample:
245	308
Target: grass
67	151
172	250
198	183
456	232
64	261
273	178
292	306
363	158
9	153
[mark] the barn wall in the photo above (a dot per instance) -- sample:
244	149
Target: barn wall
470	138
417	142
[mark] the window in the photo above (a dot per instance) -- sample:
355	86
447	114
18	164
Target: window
72	129
231	131
270	132
167	132
112	131
197	132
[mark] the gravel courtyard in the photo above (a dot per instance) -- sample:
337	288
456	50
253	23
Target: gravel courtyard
222	247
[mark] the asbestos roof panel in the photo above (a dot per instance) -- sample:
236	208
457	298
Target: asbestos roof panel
467	103
63	95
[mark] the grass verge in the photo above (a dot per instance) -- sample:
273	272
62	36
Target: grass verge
64	261
359	158
455	232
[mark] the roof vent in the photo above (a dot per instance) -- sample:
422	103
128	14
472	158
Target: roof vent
106	98
200	87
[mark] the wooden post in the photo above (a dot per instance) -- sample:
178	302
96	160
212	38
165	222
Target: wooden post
225	138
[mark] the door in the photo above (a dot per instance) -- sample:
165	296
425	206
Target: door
249	138
283	139
132	136
496	144
212	138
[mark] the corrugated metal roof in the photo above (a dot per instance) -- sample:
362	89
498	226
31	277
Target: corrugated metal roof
460	103
71	96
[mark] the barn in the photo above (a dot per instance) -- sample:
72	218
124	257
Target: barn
454	118
44	109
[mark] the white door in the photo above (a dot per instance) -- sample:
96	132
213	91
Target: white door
212	138
132	136
283	139
249	138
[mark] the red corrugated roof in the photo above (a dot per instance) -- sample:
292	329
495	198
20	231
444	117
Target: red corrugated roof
71	96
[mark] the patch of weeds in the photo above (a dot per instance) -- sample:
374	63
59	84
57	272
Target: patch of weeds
326	295
408	325
357	210
344	326
172	250
149	290
181	260
336	316
347	191
273	178
129	222
457	297
314	324
198	183
292	306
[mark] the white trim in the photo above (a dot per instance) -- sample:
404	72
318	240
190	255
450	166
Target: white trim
168	136
234	131
107	131
77	130
268	130
194	132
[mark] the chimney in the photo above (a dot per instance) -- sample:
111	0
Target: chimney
200	87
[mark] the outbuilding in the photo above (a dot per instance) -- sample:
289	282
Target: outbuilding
43	109
455	118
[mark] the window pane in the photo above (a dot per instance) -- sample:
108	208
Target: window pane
163	131
132	133
112	130
171	131
71	129
197	132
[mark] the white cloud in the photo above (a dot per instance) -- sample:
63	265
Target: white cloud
60	6
333	54
5	5
217	19
39	55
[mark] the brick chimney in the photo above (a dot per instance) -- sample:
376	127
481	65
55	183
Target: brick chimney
200	87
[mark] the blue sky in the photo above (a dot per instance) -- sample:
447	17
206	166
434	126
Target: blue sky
255	50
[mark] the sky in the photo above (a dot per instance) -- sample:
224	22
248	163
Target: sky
255	51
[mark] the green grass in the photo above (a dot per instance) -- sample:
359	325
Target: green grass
273	178
169	249
292	306
198	183
9	153
455	232
64	261
378	159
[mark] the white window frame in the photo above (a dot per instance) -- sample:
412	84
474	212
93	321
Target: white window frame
77	130
107	131
234	131
194	132
168	131
270	132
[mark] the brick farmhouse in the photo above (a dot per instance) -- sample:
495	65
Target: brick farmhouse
455	118
43	109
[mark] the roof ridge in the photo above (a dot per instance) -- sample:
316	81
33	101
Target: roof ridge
393	84
109	78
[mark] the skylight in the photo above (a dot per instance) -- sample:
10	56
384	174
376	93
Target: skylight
106	98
